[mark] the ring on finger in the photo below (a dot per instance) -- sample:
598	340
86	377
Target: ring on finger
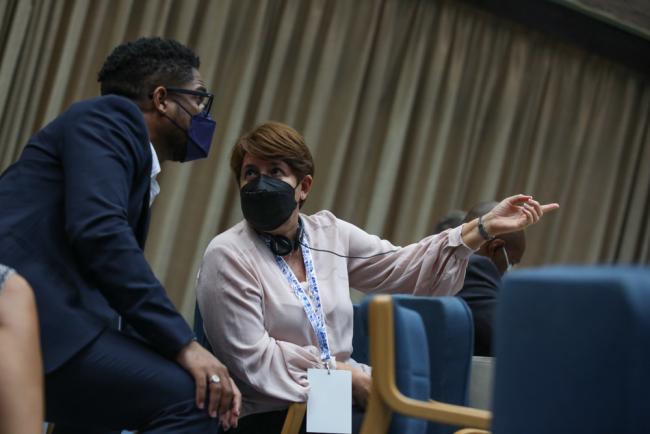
214	379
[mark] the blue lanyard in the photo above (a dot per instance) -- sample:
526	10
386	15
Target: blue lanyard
312	306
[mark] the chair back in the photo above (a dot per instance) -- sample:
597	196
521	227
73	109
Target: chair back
360	336
450	339
573	351
411	363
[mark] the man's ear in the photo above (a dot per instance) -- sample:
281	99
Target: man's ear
305	186
159	97
493	246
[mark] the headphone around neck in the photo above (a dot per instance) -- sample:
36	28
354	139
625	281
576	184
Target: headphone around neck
281	245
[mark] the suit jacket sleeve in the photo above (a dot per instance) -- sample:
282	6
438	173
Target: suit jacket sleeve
105	152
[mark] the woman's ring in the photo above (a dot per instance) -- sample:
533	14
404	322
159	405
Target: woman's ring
215	379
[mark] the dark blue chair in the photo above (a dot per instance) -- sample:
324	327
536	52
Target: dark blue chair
411	362
573	351
399	354
449	340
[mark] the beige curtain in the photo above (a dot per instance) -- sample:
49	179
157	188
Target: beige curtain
412	108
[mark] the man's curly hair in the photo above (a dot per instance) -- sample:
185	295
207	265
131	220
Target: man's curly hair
135	69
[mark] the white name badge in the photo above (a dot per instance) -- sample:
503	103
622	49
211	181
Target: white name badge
329	404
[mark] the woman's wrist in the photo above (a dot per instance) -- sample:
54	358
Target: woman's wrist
482	229
471	236
478	231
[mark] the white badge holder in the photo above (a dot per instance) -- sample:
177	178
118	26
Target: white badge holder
329	404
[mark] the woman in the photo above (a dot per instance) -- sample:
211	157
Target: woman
21	389
259	281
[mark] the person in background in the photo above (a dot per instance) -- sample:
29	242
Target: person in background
273	289
21	389
74	222
450	220
483	278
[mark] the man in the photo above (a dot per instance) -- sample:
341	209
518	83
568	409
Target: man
450	220
483	278
74	222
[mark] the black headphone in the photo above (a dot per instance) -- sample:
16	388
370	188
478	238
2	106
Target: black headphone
281	245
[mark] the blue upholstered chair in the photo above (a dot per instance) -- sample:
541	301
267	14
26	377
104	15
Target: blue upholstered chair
397	337
450	339
573	351
411	363
449	334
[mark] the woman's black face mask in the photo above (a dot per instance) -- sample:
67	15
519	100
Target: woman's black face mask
267	202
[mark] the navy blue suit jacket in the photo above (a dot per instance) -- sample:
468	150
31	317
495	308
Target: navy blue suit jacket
73	221
480	290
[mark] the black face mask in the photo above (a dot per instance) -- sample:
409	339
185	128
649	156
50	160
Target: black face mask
267	202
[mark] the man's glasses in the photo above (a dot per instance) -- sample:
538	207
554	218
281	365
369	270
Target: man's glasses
203	99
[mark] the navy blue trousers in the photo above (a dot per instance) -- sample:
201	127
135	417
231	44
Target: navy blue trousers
118	383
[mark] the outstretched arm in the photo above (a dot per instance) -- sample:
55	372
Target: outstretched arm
510	215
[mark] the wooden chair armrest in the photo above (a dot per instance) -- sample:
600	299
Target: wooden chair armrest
382	350
295	416
439	412
471	431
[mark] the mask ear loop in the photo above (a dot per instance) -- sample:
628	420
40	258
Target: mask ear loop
172	120
505	254
300	202
184	109
175	123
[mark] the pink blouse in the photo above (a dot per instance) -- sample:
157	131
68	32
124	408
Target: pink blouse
257	326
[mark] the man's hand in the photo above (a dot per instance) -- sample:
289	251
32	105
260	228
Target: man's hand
224	396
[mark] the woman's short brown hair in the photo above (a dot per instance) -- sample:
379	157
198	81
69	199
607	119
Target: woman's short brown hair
273	141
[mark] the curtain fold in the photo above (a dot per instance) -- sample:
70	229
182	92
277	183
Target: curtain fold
411	108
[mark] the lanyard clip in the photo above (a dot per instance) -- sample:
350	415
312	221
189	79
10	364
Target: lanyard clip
330	364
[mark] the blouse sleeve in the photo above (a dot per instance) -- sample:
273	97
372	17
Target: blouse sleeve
231	301
434	266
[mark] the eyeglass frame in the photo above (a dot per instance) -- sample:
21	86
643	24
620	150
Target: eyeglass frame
210	96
